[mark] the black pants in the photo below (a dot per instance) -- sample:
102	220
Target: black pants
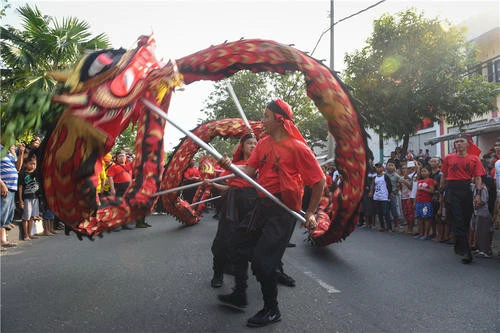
459	201
264	243
237	205
459	210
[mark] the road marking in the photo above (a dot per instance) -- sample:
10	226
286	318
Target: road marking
329	288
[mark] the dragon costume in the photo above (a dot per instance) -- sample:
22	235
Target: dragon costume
104	94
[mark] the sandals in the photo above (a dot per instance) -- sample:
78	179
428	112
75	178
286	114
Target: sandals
9	245
481	254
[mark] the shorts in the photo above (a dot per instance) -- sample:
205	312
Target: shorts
48	215
7	207
30	209
424	210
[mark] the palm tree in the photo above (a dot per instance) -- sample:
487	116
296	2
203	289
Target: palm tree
44	44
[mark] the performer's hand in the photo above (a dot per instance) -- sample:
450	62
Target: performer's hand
310	223
225	162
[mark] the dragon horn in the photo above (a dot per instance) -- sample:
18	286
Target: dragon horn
59	76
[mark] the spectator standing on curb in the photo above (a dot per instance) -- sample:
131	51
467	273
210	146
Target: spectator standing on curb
10	164
437	223
481	224
395	195
458	170
380	192
29	191
407	204
423	205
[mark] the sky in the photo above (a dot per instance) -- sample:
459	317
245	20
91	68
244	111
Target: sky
185	27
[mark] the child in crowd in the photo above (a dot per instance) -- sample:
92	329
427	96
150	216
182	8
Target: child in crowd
481	224
406	200
423	206
380	191
28	192
394	196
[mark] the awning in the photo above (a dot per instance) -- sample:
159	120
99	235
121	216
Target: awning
493	125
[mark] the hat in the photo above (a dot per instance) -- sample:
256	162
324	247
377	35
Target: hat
108	157
379	164
410	164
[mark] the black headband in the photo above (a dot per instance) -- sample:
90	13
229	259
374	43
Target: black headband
247	136
273	106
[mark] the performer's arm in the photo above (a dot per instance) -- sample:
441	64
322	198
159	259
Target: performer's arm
111	186
316	192
225	162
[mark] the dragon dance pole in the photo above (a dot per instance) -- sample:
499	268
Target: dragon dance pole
238	105
203	201
218	156
185	187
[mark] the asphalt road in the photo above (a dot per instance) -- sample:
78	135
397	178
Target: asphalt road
158	280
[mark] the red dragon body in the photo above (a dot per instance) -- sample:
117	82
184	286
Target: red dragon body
105	93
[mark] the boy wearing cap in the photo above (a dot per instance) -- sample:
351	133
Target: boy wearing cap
285	164
458	169
380	191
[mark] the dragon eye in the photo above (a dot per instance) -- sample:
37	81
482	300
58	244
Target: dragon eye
99	63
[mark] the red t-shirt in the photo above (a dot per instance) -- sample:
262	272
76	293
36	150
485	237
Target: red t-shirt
120	173
456	167
290	160
237	181
423	196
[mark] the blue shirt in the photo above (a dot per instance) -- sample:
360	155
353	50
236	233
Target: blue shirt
8	171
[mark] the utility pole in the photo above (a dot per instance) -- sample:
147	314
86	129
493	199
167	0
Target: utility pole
330	140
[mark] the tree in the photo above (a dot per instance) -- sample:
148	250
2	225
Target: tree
412	69
254	91
44	44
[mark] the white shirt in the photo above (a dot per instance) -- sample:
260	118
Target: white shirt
497	174
380	192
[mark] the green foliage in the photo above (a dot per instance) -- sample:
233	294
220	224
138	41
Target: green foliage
24	112
254	92
414	68
126	139
44	44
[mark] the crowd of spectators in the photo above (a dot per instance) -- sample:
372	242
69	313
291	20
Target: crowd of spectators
22	194
403	195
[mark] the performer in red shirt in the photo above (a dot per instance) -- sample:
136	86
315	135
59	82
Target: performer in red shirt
120	174
459	169
190	176
285	163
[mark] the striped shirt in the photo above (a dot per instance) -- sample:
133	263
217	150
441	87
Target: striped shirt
8	171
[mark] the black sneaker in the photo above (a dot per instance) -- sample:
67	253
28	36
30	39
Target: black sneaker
126	227
217	280
265	317
467	259
285	279
237	300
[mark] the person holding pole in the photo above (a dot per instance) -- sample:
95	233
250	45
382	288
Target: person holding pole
238	200
285	163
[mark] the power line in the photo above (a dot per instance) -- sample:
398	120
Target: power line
343	19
